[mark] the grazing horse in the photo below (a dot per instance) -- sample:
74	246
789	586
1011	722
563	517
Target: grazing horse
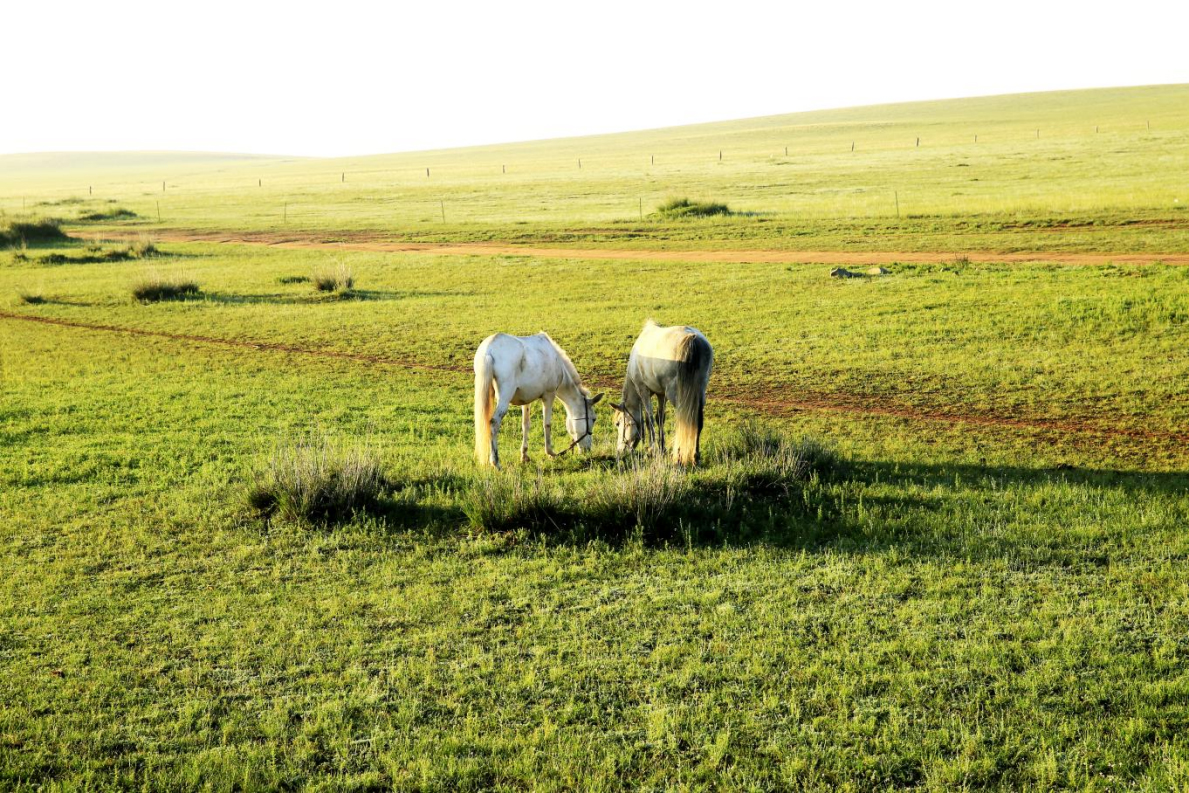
673	364
519	370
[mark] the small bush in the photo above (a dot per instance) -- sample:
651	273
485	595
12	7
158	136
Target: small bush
339	279
154	287
311	478
113	213
15	233
30	299
684	208
293	279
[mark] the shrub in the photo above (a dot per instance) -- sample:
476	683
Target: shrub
339	279
312	478
684	208
293	279
15	233
154	287
30	299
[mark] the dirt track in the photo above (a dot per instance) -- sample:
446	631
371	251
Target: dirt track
773	403
366	242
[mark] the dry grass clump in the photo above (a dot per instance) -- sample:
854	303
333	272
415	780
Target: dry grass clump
312	478
154	287
340	278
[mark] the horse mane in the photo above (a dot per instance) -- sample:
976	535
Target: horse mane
569	371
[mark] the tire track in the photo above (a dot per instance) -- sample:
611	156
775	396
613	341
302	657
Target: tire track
778	402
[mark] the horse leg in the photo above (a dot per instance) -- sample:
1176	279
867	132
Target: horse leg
497	418
649	422
548	399
660	420
525	420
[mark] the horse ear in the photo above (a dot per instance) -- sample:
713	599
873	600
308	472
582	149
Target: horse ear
595	401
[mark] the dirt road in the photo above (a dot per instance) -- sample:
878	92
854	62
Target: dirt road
364	242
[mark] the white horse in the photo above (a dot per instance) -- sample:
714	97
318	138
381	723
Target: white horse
519	370
674	364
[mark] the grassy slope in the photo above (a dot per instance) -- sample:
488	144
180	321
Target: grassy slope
952	192
951	610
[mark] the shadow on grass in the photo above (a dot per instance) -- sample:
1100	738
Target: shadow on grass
851	507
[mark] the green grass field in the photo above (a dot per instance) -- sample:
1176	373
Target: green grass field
987	589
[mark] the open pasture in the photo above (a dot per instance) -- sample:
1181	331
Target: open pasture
980	586
1120	188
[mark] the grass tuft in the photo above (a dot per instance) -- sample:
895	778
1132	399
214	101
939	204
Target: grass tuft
30	299
339	279
112	213
685	208
293	279
311	478
154	287
19	232
504	501
761	460
754	468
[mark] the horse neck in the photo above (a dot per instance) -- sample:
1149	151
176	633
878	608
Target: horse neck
573	398
633	401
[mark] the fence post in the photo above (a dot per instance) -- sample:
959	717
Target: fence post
897	194
442	201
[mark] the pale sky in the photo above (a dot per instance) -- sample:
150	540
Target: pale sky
346	77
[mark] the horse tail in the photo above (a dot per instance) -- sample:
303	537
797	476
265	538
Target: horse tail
484	405
695	359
